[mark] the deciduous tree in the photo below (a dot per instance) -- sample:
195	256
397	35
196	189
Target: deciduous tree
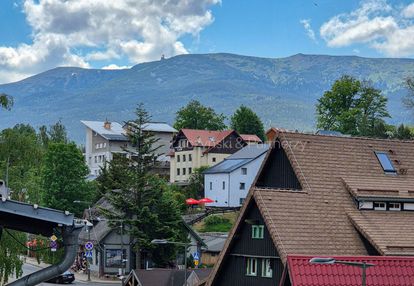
6	101
197	116
64	178
352	107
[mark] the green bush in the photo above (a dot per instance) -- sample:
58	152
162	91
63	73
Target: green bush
215	219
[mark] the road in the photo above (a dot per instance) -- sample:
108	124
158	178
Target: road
29	268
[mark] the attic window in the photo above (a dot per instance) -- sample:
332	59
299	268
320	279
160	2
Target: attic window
385	162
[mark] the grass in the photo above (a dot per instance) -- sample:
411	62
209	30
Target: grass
217	223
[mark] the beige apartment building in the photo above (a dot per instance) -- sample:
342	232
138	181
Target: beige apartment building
196	148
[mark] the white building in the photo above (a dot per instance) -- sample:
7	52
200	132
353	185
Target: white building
228	182
103	139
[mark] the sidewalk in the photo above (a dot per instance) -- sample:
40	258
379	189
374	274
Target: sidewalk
82	277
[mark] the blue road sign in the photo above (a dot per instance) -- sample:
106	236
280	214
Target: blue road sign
53	246
89	245
196	256
88	254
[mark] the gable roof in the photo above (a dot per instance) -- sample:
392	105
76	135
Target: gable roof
115	133
251	138
205	138
321	218
388	271
118	133
239	159
168	277
156	127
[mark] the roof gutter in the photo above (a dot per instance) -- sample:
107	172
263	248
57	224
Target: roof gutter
70	241
388	199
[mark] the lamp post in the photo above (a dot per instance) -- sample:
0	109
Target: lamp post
363	265
186	245
89	233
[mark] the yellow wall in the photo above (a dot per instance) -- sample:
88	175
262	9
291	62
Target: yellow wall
198	160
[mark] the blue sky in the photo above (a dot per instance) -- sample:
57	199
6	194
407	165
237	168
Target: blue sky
37	35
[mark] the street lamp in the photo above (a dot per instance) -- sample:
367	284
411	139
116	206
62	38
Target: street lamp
186	245
328	260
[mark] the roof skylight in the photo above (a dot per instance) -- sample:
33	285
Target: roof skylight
385	162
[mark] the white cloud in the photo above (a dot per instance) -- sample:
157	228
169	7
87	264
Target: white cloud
408	12
375	23
115	67
308	28
79	32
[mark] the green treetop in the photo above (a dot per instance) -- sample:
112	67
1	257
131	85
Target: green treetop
63	178
352	107
245	121
197	116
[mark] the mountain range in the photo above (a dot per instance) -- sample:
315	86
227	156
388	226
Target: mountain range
283	91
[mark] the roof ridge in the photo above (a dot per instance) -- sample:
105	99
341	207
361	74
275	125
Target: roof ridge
348	137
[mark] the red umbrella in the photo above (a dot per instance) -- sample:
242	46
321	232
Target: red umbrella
191	201
206	201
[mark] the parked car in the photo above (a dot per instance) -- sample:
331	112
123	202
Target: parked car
65	277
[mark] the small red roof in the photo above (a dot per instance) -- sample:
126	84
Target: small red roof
388	271
251	138
205	138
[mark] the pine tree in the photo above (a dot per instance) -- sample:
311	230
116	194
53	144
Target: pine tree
140	199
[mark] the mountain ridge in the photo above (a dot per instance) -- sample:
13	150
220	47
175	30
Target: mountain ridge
283	91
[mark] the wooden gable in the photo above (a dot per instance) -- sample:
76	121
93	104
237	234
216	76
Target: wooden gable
277	171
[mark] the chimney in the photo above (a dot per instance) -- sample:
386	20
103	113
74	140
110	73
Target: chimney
107	124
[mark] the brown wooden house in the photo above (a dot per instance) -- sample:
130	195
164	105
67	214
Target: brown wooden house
321	195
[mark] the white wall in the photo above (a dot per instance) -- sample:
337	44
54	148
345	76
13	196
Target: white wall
226	198
217	193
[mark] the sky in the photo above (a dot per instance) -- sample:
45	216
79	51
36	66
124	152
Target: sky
37	35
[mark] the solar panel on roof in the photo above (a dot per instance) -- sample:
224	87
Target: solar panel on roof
385	162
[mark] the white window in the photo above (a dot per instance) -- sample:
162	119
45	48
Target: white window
242	186
214	159
394	206
224	185
380	206
251	266
104	145
257	231
244	171
266	268
241	200
211	186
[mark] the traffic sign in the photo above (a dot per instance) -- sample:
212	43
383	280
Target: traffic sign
89	245
53	238
53	246
196	256
196	262
88	254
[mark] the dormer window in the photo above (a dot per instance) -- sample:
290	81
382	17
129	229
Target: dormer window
394	206
385	162
380	206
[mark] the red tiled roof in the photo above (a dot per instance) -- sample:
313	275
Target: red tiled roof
205	138
250	138
388	271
